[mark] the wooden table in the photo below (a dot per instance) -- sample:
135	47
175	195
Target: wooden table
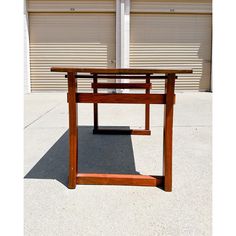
168	99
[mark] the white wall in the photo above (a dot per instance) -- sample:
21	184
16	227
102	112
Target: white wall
122	36
26	52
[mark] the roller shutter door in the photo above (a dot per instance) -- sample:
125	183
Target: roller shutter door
173	40
69	39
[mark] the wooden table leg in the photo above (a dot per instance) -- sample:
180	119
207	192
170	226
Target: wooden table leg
73	130
95	107
147	108
168	130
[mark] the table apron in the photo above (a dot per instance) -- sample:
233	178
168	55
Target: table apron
120	98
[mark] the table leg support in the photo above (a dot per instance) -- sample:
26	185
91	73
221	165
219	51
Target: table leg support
147	107
168	132
95	116
73	130
95	106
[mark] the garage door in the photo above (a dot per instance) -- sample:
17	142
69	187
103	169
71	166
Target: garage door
69	39
173	40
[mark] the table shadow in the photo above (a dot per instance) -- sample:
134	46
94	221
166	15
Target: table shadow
97	154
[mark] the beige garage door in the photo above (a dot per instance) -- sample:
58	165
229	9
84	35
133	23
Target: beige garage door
173	40
69	39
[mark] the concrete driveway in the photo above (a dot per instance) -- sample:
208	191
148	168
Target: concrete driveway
52	209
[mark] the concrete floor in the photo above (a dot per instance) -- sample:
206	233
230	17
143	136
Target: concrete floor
51	209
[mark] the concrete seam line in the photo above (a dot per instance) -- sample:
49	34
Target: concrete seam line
41	116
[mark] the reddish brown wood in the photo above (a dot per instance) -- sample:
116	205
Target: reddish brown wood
73	131
168	130
147	107
123	86
118	76
122	131
95	105
120	70
121	98
119	179
168	99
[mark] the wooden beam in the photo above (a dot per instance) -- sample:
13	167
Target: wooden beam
95	105
122	131
120	70
123	85
121	98
119	179
168	132
73	131
117	76
147	106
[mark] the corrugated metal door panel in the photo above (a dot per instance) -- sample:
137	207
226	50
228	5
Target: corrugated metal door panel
64	39
167	41
190	6
26	57
66	5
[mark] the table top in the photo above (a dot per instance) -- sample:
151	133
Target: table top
121	70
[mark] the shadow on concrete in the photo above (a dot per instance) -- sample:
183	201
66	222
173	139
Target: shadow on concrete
97	154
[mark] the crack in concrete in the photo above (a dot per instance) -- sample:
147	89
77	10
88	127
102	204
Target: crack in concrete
41	116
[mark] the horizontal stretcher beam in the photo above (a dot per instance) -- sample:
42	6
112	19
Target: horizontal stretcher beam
121	98
100	76
122	131
123	85
119	179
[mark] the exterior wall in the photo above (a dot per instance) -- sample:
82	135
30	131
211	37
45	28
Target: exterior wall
174	6
122	37
68	39
71	6
173	41
124	10
26	52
